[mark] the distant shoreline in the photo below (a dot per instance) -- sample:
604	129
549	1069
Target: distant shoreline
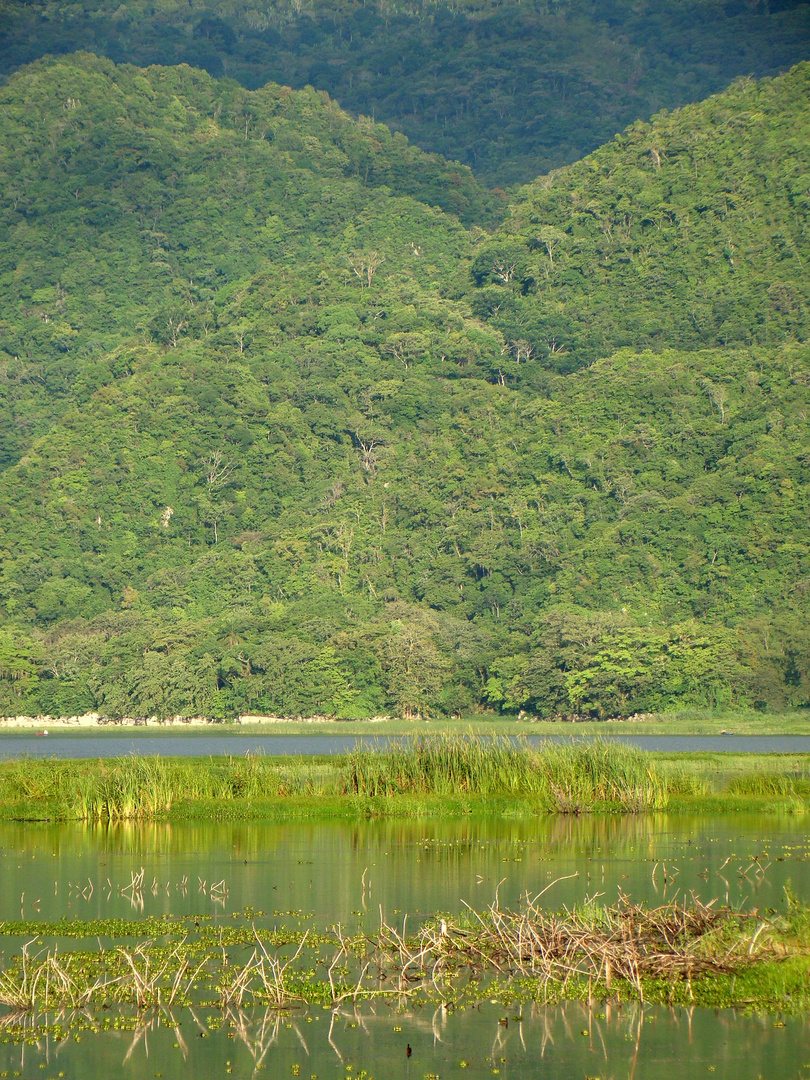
692	722
96	720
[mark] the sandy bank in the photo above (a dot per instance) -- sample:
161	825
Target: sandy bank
92	720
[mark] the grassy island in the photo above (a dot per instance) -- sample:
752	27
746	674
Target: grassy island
427	775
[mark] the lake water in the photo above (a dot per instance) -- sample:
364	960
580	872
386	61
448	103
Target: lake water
193	744
311	874
317	868
567	1042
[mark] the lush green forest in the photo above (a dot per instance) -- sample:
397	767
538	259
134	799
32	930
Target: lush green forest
513	89
698	222
291	424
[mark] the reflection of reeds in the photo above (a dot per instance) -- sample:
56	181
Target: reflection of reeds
258	1032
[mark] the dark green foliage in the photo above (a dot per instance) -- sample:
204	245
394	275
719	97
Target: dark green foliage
281	435
511	89
698	221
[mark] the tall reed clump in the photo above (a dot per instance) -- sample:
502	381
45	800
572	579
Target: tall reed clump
143	787
567	777
454	765
126	788
579	774
255	776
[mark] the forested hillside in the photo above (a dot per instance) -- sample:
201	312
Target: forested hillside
290	424
513	88
689	232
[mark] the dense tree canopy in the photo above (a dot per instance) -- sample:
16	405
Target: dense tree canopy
289	424
513	88
698	221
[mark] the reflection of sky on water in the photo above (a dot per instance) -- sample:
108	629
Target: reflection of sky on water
567	1042
318	868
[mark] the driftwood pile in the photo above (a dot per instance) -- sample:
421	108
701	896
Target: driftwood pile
598	944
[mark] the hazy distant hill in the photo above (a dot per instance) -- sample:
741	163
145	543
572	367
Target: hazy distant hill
282	433
512	88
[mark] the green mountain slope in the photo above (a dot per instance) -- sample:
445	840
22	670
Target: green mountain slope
512	89
276	460
130	200
689	232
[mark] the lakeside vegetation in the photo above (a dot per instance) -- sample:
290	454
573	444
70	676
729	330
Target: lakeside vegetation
685	722
677	954
423	776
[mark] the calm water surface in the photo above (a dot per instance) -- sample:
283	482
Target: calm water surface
193	744
568	1042
317	868
311	874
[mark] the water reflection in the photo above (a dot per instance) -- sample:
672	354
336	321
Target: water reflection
345	872
321	873
525	1040
198	744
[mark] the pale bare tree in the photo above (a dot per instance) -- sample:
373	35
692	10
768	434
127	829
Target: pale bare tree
176	327
504	269
718	395
551	239
367	456
364	265
523	351
217	469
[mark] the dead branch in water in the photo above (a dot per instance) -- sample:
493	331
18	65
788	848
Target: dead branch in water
626	941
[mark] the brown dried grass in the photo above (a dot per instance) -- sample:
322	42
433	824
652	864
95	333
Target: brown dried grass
599	944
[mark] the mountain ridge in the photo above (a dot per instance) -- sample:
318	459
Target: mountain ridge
321	477
512	89
703	210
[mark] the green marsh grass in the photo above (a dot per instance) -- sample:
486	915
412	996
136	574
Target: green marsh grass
577	775
440	773
443	765
564	777
792	795
762	784
146	787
